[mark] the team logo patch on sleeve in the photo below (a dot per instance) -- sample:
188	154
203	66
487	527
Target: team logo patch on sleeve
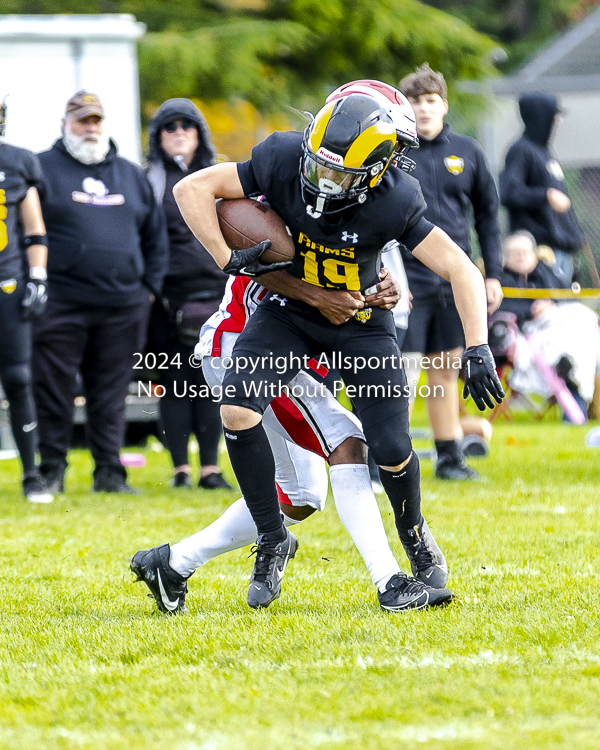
555	170
8	286
363	315
454	164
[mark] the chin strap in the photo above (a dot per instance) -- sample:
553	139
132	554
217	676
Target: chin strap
316	212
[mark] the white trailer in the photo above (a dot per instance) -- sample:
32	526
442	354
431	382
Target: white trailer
44	60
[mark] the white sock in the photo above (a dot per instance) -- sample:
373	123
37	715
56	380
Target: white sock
233	530
358	511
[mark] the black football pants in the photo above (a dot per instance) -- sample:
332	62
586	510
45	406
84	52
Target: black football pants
15	372
98	342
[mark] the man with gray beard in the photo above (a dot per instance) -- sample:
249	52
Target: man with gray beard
107	258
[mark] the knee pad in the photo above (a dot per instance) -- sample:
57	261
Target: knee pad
389	449
15	379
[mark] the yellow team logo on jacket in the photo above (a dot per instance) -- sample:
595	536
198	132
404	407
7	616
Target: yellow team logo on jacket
454	164
8	286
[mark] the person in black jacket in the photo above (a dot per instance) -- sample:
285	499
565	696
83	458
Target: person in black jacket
22	297
532	185
107	257
456	180
179	144
523	270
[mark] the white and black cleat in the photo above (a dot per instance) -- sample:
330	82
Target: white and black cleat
166	585
269	567
35	488
427	563
404	593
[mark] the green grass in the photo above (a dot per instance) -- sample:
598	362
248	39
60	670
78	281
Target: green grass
514	662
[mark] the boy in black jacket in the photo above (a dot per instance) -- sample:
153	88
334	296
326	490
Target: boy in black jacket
532	186
455	178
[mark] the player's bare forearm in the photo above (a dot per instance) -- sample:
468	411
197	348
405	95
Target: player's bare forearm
336	305
196	195
438	252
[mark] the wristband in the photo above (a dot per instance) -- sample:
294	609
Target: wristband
38	273
36	239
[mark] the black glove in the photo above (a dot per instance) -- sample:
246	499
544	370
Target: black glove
245	262
481	378
34	300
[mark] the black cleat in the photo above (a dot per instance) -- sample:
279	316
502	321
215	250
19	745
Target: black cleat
214	481
448	468
35	488
53	473
112	479
427	563
402	592
166	585
181	479
269	567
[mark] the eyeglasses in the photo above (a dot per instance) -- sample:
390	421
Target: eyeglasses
171	127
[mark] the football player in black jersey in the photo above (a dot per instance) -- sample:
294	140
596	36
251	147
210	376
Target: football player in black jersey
343	201
22	297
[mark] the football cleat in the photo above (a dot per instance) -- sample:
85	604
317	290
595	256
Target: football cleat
35	488
448	468
166	585
269	567
427	563
402	592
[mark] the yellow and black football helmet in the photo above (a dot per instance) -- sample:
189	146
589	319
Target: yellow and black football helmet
345	152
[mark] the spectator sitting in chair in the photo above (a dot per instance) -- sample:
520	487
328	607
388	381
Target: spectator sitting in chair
524	270
565	335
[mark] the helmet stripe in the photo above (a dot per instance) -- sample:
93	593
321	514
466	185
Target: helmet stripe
319	126
367	142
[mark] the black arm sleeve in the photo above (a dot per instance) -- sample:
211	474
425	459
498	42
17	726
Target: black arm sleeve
485	208
514	190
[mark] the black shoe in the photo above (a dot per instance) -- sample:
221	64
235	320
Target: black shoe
427	563
214	481
402	592
269	567
474	446
53	473
448	468
181	479
166	585
112	479
35	488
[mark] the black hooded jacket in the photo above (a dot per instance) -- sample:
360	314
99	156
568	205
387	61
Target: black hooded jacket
193	272
107	243
529	170
456	180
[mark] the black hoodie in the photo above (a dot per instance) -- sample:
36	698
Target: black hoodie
529	170
192	271
107	243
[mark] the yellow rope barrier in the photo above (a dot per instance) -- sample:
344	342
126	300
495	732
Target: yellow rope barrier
512	292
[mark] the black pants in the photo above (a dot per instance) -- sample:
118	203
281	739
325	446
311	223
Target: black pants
180	415
98	342
366	356
15	371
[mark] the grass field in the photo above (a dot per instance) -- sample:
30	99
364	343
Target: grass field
514	662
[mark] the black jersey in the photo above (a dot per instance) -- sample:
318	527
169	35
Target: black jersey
19	170
346	254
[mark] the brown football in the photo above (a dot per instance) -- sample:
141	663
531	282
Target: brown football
245	222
